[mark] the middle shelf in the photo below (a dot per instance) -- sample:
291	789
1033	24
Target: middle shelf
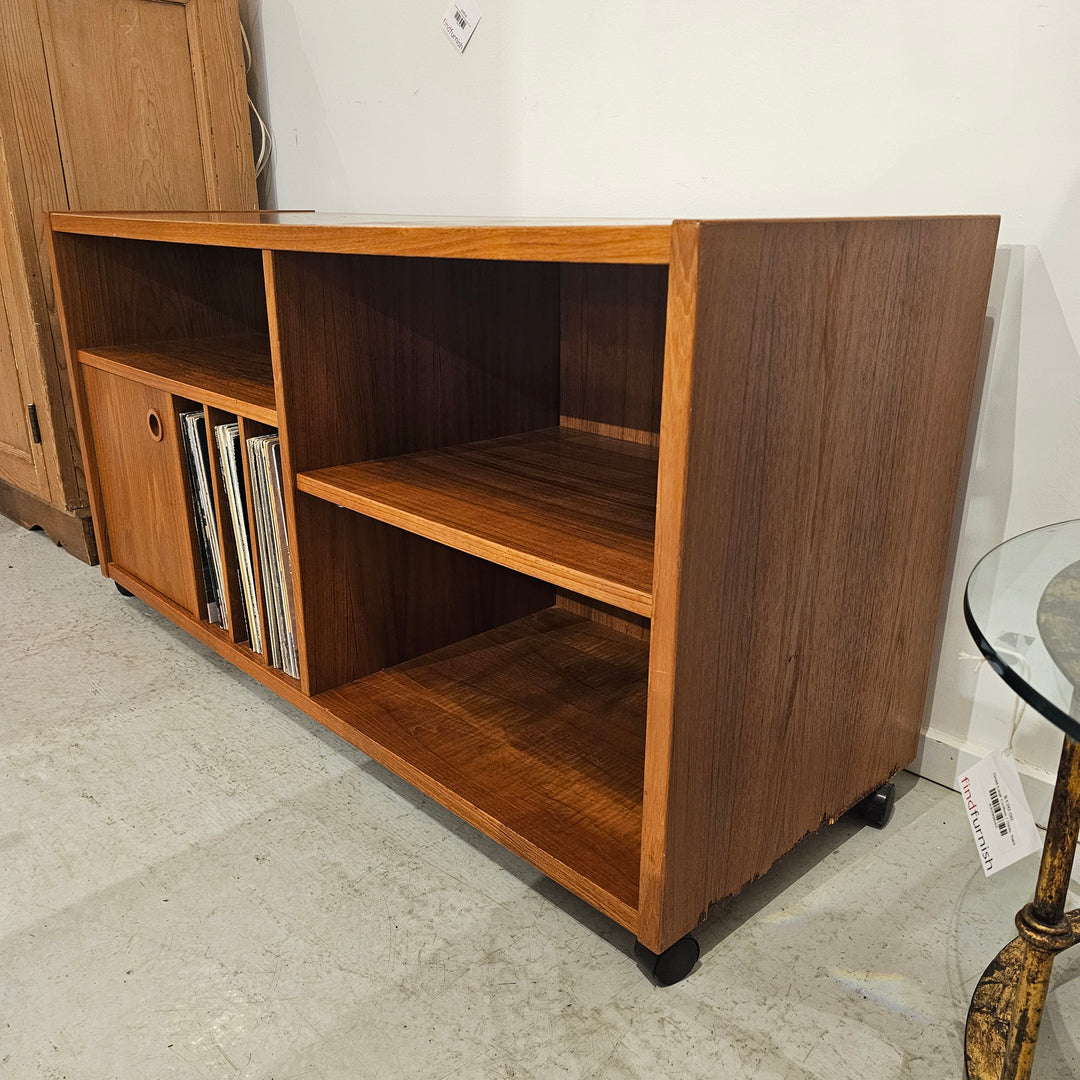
232	372
569	507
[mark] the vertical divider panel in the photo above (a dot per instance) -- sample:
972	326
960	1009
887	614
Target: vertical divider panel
238	630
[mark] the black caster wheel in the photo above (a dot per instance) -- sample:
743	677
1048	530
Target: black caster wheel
121	590
673	964
877	808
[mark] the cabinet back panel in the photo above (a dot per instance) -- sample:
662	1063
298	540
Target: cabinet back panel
120	292
633	626
612	349
373	596
382	355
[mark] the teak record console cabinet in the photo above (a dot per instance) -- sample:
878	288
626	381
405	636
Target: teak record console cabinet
625	542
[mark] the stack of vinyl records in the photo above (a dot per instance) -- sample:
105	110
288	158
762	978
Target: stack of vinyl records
232	474
268	506
202	500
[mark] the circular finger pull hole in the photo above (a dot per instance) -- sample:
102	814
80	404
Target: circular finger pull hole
154	423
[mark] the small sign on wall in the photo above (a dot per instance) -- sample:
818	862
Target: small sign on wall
460	21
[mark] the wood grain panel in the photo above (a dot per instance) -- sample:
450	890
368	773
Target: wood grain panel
18	462
633	626
381	357
534	732
143	485
118	292
670	816
612	349
375	596
831	381
31	465
221	102
35	185
574	509
514	239
122	83
232	373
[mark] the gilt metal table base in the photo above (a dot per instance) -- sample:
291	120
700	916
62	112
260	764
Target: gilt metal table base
990	1014
1003	1021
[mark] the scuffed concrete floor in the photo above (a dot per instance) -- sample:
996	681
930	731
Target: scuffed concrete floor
196	881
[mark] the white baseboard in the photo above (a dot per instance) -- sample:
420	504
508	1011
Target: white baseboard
942	758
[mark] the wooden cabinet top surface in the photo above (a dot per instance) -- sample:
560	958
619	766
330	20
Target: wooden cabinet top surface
532	239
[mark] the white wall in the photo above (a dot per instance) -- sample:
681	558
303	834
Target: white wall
728	108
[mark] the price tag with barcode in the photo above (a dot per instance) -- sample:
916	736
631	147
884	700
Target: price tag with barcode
998	812
460	21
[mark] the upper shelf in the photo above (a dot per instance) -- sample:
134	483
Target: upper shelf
565	506
527	239
232	373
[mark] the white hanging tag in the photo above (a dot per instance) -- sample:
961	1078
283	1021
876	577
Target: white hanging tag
460	21
998	812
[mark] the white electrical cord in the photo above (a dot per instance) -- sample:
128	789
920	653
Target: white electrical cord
1019	705
266	140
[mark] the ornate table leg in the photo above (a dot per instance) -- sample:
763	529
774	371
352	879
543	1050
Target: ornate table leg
1003	1021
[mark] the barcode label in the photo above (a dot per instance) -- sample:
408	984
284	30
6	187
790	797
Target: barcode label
998	811
460	21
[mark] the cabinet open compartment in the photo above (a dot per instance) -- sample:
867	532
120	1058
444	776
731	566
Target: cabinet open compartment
624	542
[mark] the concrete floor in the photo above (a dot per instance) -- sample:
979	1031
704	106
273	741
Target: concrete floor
196	881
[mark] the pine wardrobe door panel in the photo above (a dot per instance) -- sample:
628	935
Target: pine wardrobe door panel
126	103
21	460
140	458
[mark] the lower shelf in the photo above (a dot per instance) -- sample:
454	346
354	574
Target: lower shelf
534	732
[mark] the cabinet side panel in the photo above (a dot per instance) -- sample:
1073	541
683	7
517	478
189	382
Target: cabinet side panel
376	356
672	870
833	369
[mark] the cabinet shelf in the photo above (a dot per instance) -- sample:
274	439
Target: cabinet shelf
572	508
534	732
232	372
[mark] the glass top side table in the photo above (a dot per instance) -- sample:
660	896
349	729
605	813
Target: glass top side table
1022	606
